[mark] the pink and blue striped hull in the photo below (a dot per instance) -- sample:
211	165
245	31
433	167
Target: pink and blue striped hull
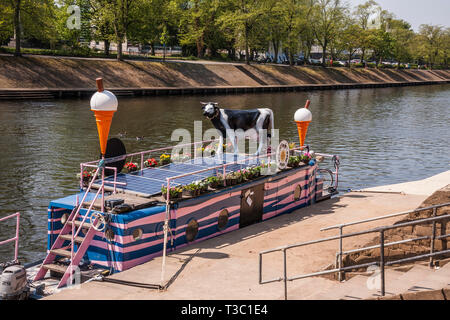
124	251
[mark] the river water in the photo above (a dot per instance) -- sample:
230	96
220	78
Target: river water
383	136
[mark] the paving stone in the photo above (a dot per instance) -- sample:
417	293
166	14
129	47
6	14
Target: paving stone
446	292
424	295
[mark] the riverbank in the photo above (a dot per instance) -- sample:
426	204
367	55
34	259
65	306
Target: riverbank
226	267
47	77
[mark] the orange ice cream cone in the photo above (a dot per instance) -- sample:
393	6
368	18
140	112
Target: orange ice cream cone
103	119
302	127
104	105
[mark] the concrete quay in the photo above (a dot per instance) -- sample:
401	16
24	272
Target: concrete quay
226	267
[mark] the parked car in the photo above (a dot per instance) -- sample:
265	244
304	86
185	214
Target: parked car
315	61
299	61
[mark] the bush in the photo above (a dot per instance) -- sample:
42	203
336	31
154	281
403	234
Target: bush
357	65
386	66
372	65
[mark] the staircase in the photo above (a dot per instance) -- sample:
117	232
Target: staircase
420	278
78	243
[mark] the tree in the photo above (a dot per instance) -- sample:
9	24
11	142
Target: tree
293	22
350	39
199	26
243	17
6	22
327	16
121	14
402	35
381	43
363	14
431	40
33	19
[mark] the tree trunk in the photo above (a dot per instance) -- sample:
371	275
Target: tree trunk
247	53
324	53
291	58
106	49
199	48
275	50
17	28
164	53
119	49
152	50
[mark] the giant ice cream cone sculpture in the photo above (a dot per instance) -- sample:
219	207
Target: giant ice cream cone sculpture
303	118
104	104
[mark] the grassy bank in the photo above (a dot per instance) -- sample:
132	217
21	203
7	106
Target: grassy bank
43	72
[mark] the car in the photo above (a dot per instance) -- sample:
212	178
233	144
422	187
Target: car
355	61
315	61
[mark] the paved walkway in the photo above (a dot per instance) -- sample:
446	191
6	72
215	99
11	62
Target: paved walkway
421	187
226	267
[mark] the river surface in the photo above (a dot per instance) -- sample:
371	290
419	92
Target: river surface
383	136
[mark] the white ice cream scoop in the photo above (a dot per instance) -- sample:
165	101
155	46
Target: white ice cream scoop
103	100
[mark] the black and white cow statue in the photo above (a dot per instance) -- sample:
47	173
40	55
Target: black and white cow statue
251	122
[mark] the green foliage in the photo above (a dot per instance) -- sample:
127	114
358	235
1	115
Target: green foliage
225	29
6	22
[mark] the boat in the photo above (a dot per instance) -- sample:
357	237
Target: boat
119	219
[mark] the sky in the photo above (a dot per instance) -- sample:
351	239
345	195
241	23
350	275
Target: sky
416	12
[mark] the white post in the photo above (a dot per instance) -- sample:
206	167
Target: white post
166	228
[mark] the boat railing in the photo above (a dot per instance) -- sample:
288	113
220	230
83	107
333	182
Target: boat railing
382	263
16	238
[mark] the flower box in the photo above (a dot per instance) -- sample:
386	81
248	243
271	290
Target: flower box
131	167
174	192
164	159
150	163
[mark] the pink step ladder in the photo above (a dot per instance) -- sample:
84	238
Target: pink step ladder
78	244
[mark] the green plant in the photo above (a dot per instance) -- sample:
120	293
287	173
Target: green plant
214	181
306	157
234	177
192	189
294	161
256	171
174	192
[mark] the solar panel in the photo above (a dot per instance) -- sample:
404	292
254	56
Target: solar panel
150	180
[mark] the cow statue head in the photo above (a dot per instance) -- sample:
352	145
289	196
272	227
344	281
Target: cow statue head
210	109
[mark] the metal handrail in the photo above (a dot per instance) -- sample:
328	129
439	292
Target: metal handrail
337	226
343	225
382	263
16	238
